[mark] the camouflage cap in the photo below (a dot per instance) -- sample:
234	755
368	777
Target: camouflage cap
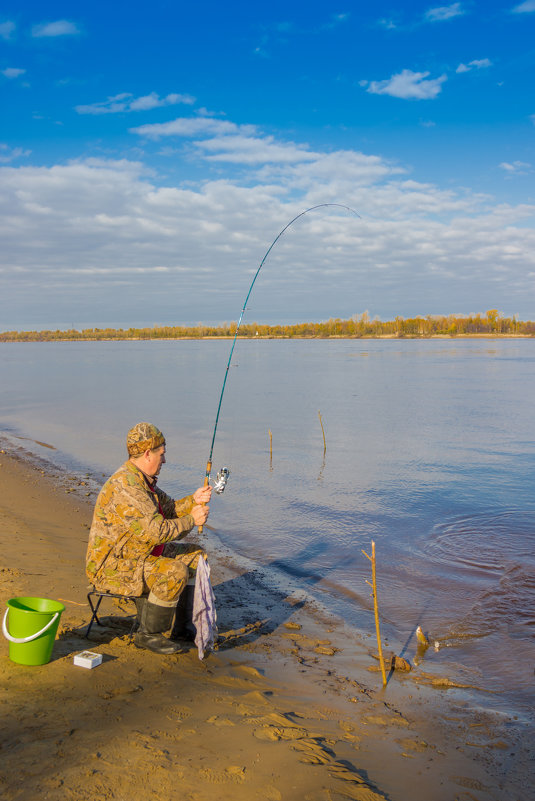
143	437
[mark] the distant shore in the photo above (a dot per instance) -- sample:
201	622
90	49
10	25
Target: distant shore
269	337
490	325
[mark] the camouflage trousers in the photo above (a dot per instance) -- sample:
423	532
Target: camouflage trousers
166	576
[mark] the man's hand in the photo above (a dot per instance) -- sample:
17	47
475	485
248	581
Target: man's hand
202	495
200	514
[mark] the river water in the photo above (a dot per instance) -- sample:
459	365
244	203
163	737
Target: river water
430	452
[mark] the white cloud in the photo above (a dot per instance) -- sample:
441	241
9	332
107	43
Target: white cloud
7	29
481	63
244	145
13	72
253	150
525	8
192	126
443	13
154	101
408	85
477	64
126	102
8	154
60	28
517	167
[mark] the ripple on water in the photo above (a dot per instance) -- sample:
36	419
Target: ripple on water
496	554
488	542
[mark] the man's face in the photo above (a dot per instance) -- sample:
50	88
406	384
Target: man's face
155	459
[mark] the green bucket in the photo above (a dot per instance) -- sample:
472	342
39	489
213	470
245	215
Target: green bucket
33	624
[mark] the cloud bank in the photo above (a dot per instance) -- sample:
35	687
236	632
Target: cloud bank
110	242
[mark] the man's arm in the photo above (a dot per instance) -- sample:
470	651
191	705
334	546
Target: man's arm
173	509
143	521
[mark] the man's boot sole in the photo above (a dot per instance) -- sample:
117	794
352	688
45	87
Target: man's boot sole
157	644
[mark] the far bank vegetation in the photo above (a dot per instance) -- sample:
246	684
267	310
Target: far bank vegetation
492	323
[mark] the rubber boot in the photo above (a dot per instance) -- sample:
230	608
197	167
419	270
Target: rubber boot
154	620
183	628
140	603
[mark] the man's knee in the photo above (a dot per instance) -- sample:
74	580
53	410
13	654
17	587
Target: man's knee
181	572
168	580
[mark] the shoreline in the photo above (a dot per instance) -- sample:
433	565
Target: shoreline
268	338
286	708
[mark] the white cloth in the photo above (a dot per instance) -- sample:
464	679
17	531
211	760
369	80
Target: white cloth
204	611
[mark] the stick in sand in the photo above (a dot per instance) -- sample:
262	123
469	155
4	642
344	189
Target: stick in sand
373	585
270	448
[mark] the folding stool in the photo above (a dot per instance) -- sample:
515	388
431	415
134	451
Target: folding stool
97	595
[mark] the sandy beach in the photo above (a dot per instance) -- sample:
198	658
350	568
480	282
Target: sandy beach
290	706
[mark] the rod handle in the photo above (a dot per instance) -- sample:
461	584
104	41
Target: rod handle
206	482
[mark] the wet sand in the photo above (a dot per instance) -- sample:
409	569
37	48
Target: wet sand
289	707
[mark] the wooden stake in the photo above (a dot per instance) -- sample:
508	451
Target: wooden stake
373	585
323	432
270	448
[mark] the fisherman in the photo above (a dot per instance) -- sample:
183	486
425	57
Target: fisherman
132	546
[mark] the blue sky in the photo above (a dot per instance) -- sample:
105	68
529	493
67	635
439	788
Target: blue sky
150	153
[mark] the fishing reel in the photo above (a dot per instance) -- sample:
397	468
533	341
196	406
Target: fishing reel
221	480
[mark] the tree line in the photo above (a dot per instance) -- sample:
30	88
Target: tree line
492	323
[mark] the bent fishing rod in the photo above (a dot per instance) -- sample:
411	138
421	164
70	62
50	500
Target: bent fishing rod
224	473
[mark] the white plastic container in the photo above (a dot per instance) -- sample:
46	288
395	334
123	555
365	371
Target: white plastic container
88	659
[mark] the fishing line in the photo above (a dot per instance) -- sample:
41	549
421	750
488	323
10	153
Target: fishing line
223	474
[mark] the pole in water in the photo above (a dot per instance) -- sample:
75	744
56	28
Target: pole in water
323	432
373	585
268	251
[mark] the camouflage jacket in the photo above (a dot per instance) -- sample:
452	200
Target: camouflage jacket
127	524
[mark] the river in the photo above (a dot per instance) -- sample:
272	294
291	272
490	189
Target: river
430	452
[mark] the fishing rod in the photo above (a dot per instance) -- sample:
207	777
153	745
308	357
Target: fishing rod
223	475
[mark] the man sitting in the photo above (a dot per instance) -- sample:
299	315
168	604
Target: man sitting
130	550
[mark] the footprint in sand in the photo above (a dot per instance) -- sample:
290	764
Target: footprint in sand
179	713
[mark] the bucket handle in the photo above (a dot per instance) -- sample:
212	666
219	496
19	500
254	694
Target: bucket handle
8	636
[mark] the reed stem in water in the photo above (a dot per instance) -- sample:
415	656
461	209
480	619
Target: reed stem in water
323	432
